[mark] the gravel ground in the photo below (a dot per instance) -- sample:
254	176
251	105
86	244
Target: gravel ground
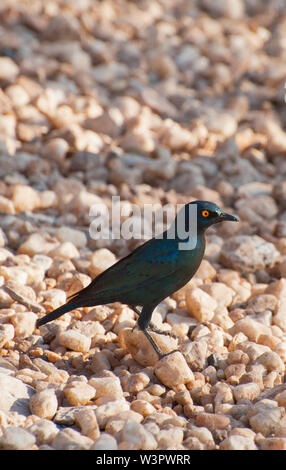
155	101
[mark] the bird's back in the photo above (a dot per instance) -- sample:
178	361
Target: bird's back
149	274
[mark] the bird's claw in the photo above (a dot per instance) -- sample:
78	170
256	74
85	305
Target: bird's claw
156	348
154	328
161	356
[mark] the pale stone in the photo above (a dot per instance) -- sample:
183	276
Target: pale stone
99	362
47	199
134	383
69	439
140	348
277	288
143	407
6	334
44	404
219	292
281	398
100	261
53	298
128	106
280	349
246	432
68	234
171	437
105	73
16	438
204	435
91	329
83	201
235	370
221	123
265	417
180	324
200	304
193	443
279	317
222	319
237	357
260	303
56	149
273	443
76	283
249	390
107	387
173	370
21	290
35	273
248	253
271	361
195	353
251	328
44	430
212	421
14	273
238	443
135	433
205	271
105	442
86	420
252	349
266	423
117	422
177	137
24	323
17	95
38	243
225	9
25	198
79	393
74	340
65	250
5	299
157	102
8	69
15	395
104	412
6	205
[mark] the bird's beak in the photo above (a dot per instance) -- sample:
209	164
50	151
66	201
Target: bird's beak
225	216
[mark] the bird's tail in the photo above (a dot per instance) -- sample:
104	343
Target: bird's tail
58	312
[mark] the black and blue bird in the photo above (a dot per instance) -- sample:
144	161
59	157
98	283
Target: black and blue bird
154	270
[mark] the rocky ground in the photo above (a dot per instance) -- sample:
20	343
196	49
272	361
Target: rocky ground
155	101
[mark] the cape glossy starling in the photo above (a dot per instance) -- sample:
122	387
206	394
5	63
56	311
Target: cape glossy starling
154	270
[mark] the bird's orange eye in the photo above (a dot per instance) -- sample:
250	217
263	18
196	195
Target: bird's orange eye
205	213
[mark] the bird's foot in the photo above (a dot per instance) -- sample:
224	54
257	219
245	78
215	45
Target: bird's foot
154	328
156	347
170	352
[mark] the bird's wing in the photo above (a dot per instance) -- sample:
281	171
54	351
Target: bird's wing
149	262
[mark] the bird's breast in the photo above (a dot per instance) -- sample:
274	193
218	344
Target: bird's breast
191	254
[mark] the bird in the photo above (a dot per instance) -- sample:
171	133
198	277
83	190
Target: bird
154	270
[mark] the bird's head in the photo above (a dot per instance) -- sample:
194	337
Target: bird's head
209	213
200	214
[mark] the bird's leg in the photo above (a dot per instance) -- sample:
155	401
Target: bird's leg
135	309
153	327
143	322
